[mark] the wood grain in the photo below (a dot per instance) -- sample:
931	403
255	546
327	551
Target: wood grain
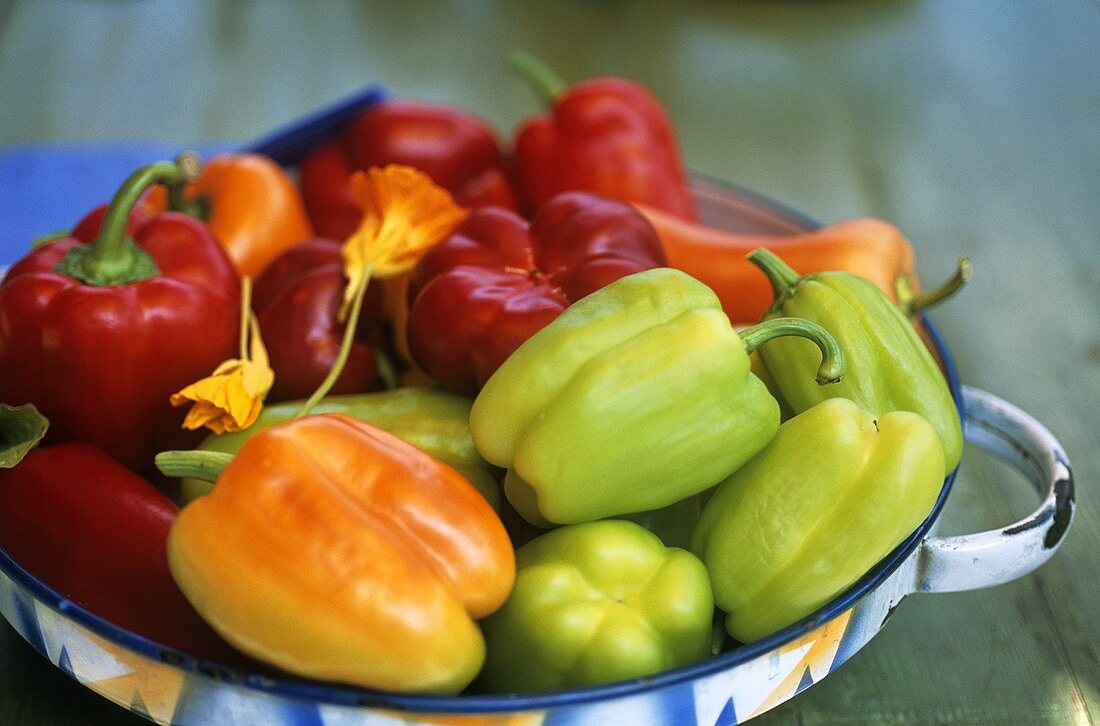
975	127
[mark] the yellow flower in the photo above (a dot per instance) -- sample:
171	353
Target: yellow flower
404	214
231	397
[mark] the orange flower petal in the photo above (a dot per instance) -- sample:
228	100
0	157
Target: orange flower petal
231	398
404	214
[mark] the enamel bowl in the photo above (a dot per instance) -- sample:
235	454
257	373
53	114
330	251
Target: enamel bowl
168	686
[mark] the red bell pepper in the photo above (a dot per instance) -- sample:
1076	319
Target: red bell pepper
496	281
96	533
608	136
99	333
297	300
459	151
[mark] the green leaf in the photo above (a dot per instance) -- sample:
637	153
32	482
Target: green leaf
21	428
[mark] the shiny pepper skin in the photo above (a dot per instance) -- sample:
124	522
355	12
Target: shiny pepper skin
251	204
636	397
891	367
95	532
607	136
431	419
834	492
458	150
596	603
338	552
297	302
497	280
100	361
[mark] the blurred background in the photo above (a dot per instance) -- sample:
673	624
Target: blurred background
973	126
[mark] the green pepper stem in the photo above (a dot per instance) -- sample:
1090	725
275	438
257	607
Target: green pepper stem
345	347
109	242
203	465
780	274
912	304
833	363
113	258
538	75
177	200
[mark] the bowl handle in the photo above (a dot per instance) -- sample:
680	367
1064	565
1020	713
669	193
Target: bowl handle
973	561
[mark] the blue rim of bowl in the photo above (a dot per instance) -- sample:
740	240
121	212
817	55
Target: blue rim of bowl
292	688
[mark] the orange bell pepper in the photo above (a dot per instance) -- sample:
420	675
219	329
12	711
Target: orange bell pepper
337	551
251	204
871	248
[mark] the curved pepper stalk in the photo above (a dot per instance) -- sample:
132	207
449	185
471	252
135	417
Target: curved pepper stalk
892	369
539	76
113	258
833	363
912	303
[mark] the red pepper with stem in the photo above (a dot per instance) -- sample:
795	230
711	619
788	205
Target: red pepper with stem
98	333
608	136
498	280
297	301
458	150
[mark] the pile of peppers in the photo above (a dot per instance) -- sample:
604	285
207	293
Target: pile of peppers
482	417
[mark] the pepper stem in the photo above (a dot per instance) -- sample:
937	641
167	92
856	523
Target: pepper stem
833	362
911	303
780	274
538	75
113	258
177	200
202	465
345	346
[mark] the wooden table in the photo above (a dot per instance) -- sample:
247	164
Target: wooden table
975	127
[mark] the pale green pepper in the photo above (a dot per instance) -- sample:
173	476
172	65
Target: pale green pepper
595	603
430	419
889	366
637	396
833	493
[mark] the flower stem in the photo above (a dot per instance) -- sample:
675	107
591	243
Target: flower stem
345	346
246	314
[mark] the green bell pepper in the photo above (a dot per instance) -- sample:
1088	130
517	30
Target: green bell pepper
595	603
431	419
833	493
637	396
889	366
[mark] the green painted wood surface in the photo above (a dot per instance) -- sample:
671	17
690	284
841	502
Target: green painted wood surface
973	126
